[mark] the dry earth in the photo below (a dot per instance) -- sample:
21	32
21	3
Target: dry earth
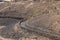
12	14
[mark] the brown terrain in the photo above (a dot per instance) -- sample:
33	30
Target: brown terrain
30	20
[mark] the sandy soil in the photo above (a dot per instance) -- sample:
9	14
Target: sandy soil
13	13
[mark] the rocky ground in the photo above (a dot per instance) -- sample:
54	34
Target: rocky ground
12	14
